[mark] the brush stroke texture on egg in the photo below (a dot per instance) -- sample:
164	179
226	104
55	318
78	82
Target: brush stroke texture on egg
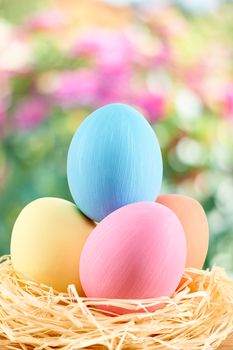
194	221
114	159
137	252
47	240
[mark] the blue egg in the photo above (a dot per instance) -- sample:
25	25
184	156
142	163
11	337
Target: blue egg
114	159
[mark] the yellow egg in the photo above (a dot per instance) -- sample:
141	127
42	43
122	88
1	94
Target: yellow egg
47	240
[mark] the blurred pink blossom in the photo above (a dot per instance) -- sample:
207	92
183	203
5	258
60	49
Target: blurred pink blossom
47	20
2	117
30	111
195	78
91	87
105	47
77	88
161	55
153	105
164	56
228	103
114	84
94	88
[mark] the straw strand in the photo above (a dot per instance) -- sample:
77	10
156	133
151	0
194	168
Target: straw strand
34	316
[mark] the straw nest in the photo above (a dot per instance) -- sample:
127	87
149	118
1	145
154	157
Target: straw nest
33	316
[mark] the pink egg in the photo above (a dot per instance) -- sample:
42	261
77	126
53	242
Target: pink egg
136	252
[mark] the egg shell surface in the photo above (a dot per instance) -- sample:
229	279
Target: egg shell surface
194	221
114	159
47	240
137	252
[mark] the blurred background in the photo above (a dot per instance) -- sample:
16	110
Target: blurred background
173	60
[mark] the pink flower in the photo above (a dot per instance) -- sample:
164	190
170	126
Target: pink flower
164	56
160	55
47	20
30	111
153	105
114	84
2	117
105	47
92	87
76	88
195	77
228	103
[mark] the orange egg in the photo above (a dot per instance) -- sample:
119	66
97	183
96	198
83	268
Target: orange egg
195	225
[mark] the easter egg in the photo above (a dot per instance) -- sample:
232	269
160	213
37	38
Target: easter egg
195	225
114	159
47	240
136	252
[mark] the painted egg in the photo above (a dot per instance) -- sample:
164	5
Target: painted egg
195	225
136	252
47	240
114	159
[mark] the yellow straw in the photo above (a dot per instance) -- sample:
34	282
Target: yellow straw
34	316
